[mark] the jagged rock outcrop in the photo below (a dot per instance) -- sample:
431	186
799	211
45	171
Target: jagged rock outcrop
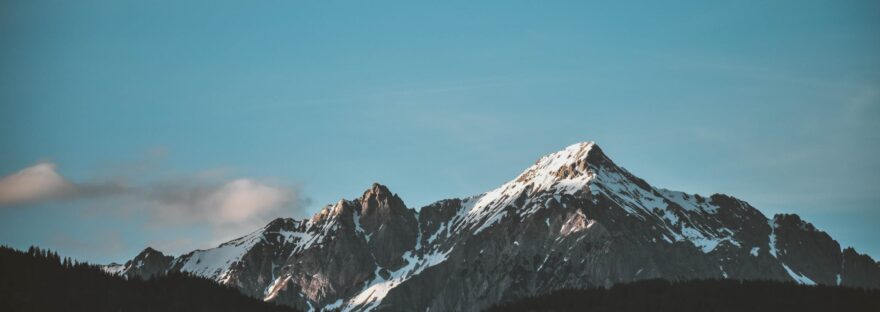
574	219
859	270
391	228
148	263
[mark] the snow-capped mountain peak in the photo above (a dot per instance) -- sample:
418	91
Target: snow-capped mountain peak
569	163
574	219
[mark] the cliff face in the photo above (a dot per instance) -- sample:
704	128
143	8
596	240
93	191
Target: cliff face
148	263
574	219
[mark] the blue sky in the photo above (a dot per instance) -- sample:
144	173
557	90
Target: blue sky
774	102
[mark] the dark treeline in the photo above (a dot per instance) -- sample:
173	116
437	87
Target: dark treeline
702	295
39	280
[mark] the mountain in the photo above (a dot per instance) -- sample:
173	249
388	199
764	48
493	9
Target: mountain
38	280
148	263
574	219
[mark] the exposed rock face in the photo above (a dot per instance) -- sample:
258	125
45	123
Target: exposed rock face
391	227
148	263
859	270
574	219
806	250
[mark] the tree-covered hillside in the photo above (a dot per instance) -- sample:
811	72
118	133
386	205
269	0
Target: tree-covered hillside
702	295
39	280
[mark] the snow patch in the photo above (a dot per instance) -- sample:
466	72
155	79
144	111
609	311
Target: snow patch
275	288
543	262
433	237
688	201
705	242
799	278
375	291
113	269
772	238
333	306
216	263
488	208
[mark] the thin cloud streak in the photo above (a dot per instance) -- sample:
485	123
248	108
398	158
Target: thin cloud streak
41	182
226	207
229	208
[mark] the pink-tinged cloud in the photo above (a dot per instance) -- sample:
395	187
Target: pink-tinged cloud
35	183
235	201
42	182
228	207
241	199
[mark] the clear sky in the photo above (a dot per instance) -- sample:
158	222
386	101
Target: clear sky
178	124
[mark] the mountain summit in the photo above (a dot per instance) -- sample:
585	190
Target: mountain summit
574	219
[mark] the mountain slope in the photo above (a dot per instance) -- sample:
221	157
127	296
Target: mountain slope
574	219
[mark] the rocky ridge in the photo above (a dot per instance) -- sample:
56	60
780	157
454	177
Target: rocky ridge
573	219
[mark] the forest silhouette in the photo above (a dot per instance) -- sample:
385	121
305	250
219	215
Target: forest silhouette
41	280
702	295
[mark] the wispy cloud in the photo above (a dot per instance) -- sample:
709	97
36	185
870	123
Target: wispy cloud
225	206
41	182
228	207
230	202
34	183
